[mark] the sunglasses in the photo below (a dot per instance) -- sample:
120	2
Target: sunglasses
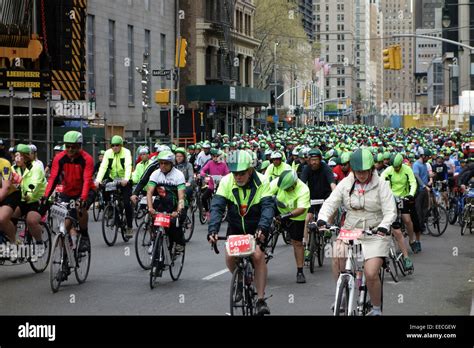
71	146
164	163
116	145
241	173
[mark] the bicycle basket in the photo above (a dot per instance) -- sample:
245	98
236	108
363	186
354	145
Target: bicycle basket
162	220
240	245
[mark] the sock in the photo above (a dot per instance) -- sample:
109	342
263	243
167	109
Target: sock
376	308
300	270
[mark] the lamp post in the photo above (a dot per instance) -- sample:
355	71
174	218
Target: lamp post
275	81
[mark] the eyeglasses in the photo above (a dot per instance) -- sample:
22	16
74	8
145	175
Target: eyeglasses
71	146
241	173
164	163
116	145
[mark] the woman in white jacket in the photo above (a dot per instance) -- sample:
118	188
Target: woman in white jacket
369	203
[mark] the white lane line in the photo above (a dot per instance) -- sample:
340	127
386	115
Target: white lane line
209	277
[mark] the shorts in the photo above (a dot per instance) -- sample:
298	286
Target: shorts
25	207
13	200
375	246
295	229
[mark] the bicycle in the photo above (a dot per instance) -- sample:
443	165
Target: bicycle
456	207
468	211
437	217
99	205
140	210
276	229
65	252
318	240
164	255
203	215
114	215
353	278
242	284
26	248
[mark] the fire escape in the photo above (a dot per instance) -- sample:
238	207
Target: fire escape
223	25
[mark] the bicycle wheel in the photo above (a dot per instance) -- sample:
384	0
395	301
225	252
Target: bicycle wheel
320	249
56	265
189	225
400	263
42	263
452	212
440	221
392	267
276	234
466	220
97	207
235	307
83	263
177	263
202	214
157	261
143	241
312	250
139	215
109	227
342	300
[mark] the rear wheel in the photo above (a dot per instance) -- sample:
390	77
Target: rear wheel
56	266
466	220
83	263
189	225
143	242
452	212
97	206
109	227
42	263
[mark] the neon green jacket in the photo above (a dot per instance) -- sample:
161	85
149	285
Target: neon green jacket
139	170
116	166
33	176
273	172
402	183
289	201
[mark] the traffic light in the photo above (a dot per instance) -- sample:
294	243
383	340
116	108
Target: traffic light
397	55
388	58
181	53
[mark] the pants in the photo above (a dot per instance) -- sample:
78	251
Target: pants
125	193
422	205
189	193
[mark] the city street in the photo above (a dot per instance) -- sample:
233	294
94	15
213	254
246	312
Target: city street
441	285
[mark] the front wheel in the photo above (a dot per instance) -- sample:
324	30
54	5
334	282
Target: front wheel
109	227
97	207
189	225
452	212
157	262
237	302
56	267
466	220
438	221
341	307
392	267
312	251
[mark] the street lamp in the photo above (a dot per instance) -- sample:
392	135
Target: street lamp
446	20
275	78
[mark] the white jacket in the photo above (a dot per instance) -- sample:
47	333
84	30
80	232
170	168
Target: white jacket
377	203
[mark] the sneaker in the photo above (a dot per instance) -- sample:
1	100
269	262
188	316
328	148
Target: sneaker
418	246
262	307
374	312
413	247
300	278
408	263
84	245
129	232
307	255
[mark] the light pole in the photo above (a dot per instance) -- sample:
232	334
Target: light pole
276	118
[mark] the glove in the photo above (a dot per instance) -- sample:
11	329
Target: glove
285	216
382	230
410	198
321	223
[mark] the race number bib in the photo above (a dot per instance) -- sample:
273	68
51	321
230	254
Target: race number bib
162	220
240	245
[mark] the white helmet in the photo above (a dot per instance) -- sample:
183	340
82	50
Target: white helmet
276	155
33	148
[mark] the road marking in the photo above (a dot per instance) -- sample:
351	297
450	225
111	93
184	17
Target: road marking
209	277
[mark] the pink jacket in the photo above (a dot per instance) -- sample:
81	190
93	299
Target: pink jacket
213	168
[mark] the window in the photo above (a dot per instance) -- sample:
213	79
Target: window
148	49
327	82
341	71
90	52
112	77
327	8
341	93
327	17
131	69
163	57
162	8
327	27
341	82
327	94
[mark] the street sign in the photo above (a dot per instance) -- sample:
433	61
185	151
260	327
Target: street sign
55	94
162	72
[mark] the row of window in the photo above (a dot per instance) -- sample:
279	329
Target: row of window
243	23
129	61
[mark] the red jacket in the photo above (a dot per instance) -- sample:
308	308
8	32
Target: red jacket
75	174
339	173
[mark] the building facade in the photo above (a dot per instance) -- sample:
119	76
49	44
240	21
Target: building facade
118	35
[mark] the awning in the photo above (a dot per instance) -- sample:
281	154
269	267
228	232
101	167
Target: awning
222	94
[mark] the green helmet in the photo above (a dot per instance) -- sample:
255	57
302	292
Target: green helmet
22	148
397	160
239	160
287	179
264	165
165	156
191	147
386	155
361	160
378	157
215	152
72	137
102	152
345	157
116	140
180	150
315	153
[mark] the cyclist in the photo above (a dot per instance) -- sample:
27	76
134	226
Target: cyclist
33	185
187	169
466	174
277	167
168	184
440	173
9	200
321	182
420	169
342	170
73	168
214	167
379	166
203	156
369	203
36	161
117	164
403	184
57	149
191	154
145	161
247	196
100	157
292	197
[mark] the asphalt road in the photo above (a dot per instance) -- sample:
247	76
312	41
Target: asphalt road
442	284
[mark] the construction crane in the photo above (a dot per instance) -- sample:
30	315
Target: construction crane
19	32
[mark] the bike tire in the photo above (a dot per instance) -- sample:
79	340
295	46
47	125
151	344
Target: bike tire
56	263
440	220
286	237
40	266
321	249
176	264
96	208
400	263
466	220
109	228
235	308
392	267
312	251
276	234
342	302
189	225
143	241
83	263
202	214
157	260
452	212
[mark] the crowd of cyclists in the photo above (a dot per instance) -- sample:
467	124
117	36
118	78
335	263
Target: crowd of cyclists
264	176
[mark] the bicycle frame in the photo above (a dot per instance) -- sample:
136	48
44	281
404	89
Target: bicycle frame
349	273
66	237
